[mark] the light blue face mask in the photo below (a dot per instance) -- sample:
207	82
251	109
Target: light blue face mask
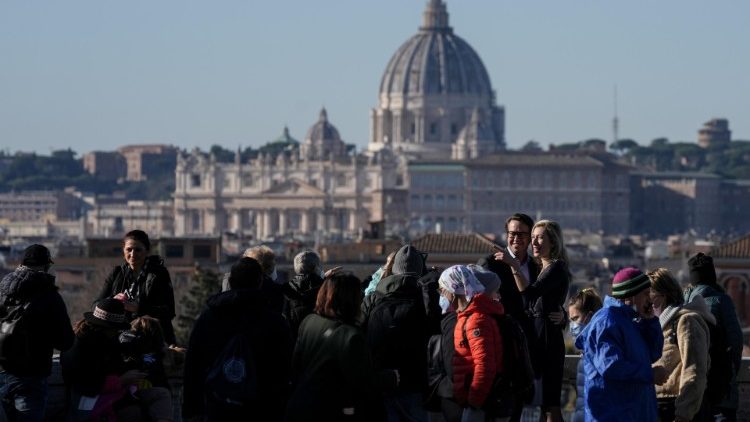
444	304
575	328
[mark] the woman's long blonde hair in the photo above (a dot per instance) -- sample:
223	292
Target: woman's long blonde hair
554	233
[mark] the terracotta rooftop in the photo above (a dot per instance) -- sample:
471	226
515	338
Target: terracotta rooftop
454	243
739	248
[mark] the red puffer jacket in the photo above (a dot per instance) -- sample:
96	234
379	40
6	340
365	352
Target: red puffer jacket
476	364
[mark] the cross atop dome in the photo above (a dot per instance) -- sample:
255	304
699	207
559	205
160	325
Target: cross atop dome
435	17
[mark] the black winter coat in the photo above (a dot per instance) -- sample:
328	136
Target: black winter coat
428	283
274	294
94	355
47	318
300	295
397	330
332	370
226	314
155	296
447	350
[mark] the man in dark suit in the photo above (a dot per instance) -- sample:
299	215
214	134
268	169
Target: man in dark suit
518	231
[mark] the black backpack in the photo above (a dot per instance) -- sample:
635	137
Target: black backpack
233	377
14	333
720	370
396	334
516	382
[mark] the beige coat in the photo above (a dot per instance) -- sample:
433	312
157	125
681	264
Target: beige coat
685	355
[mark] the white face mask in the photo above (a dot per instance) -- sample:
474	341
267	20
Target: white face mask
576	328
274	275
322	274
444	303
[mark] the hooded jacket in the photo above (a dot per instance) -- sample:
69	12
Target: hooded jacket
618	351
722	308
155	295
47	318
476	364
227	314
397	330
685	355
300	295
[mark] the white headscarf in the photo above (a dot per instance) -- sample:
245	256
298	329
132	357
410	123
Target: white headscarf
460	280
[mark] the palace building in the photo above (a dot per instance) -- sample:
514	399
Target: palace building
436	161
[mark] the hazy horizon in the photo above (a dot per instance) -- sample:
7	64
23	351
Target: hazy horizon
95	76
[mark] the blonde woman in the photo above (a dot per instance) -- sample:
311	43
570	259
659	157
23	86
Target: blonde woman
543	298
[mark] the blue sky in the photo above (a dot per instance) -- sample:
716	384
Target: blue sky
94	75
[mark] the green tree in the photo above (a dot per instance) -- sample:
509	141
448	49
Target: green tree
222	154
204	284
531	146
623	146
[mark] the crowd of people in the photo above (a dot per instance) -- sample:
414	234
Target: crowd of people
411	342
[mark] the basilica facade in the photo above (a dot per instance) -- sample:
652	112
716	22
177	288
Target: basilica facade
436	160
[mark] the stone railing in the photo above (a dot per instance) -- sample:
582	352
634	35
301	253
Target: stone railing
56	404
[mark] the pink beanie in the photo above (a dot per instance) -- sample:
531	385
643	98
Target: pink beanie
628	282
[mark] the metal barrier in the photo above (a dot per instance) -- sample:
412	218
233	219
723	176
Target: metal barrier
57	398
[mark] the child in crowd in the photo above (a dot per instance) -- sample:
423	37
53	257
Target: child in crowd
143	349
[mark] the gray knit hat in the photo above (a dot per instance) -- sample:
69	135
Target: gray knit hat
307	262
489	280
408	260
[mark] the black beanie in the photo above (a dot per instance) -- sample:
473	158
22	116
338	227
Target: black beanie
702	269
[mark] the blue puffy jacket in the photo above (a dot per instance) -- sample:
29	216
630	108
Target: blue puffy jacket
618	351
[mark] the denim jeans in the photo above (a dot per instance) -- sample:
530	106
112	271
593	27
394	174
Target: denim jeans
23	398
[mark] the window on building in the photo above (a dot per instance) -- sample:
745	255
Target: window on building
201	251
195	180
415	202
174	251
433	129
399	180
454	129
341	180
247	179
196	221
453	202
413	128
